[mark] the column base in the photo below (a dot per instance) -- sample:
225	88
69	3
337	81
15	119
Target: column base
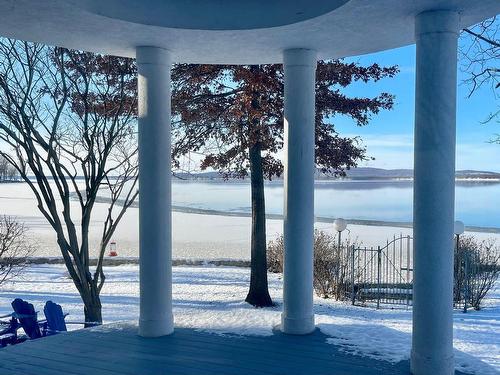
421	365
297	326
156	328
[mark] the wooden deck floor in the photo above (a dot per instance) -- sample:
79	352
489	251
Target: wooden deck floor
116	349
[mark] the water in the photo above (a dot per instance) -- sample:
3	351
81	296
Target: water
477	202
213	237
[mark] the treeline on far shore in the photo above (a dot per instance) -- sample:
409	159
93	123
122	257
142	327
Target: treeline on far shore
7	172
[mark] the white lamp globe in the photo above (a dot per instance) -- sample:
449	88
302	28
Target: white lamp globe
459	227
339	224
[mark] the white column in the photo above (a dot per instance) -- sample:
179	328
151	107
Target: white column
434	192
300	71
155	219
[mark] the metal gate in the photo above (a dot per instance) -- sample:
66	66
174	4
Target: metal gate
382	275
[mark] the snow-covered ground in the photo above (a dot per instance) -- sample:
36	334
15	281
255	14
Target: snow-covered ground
210	299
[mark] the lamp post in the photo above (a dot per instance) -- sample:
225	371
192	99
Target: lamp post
459	228
339	225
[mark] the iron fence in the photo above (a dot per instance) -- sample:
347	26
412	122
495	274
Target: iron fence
382	275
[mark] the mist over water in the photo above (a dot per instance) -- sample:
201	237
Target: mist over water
477	202
216	235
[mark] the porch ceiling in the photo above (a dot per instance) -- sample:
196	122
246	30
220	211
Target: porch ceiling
218	31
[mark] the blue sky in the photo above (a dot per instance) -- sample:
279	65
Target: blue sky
389	136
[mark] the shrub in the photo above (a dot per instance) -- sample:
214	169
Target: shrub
331	264
275	255
477	268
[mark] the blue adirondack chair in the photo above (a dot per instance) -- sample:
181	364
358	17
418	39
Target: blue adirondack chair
56	319
25	313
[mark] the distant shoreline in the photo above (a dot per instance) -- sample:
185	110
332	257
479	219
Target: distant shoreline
118	261
220	180
358	173
319	219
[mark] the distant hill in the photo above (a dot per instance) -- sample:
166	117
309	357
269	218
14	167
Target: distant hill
370	173
198	176
477	174
362	173
379	173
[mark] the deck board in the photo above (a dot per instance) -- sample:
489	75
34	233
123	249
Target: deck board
116	349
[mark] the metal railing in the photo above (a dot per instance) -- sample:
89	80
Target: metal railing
382	275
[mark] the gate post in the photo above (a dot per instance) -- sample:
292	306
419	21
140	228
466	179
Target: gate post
466	278
379	261
353	295
409	284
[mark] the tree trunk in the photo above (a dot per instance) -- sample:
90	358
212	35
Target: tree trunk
258	295
92	309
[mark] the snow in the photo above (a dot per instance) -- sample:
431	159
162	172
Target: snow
210	299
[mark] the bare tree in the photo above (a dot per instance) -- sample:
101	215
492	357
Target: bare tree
7	171
11	174
15	247
69	119
4	167
480	58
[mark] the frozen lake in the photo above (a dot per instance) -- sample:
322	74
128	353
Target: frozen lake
203	236
477	202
